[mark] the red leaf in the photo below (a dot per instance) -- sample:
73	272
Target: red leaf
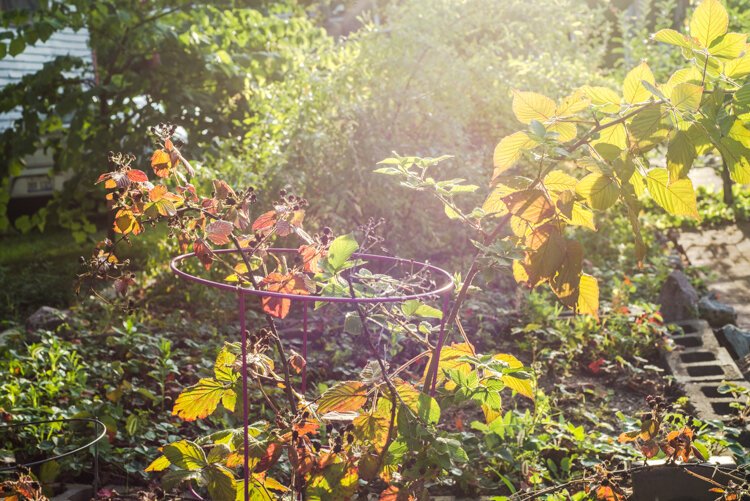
204	254
266	221
137	176
218	231
269	458
596	366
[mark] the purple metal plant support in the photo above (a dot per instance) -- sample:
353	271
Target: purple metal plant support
443	290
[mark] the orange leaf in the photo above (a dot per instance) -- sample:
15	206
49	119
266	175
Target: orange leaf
286	284
161	162
125	223
311	256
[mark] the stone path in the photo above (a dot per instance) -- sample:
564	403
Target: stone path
725	252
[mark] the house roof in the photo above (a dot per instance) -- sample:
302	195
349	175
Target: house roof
65	42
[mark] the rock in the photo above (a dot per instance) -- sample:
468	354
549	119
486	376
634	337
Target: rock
716	313
46	318
739	340
678	298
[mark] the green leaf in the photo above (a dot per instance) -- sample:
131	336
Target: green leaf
708	22
528	106
680	155
17	45
352	323
421	404
221	483
172	479
677	197
600	191
341	250
185	455
632	89
342	397
201	400
416	308
737	158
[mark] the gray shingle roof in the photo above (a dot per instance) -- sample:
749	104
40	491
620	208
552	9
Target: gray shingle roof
62	43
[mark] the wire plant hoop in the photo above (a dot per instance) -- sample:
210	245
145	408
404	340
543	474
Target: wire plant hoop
442	290
101	432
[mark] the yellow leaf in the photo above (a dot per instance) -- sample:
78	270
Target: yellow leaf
159	464
672	37
523	387
709	22
572	104
677	198
201	400
528	106
588	296
449	360
633	89
738	68
519	272
616	135
683	75
686	96
604	98
566	131
509	150
729	46
509	359
600	191
558	181
344	396
581	216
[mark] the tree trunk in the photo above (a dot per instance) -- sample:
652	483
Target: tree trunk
727	182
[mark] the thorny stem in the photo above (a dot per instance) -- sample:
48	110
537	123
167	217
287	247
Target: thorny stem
383	370
275	334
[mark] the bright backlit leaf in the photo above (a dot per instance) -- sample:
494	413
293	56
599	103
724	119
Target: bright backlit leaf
509	150
677	198
633	89
201	400
342	397
599	191
588	296
686	97
708	22
340	250
528	106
